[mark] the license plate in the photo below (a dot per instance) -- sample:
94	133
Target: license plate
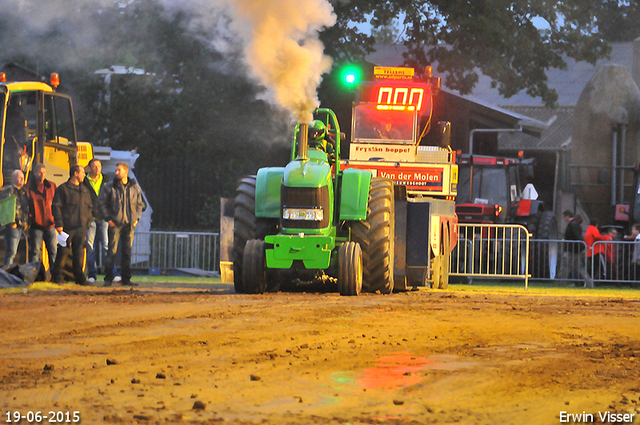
311	214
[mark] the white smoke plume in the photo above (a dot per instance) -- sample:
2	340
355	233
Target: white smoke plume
282	48
281	45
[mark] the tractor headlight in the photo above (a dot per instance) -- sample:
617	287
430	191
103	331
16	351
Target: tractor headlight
312	214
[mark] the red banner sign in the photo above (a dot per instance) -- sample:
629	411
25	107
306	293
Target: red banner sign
428	179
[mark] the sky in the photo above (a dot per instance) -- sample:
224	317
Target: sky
365	27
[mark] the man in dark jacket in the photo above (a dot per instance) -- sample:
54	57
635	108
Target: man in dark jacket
72	212
13	231
574	251
122	205
97	233
40	192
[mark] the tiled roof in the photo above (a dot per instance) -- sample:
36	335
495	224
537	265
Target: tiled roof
555	137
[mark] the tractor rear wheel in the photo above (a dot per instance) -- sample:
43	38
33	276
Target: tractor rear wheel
547	226
375	236
254	268
244	225
350	269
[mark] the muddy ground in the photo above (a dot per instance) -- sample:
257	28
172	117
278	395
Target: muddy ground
159	355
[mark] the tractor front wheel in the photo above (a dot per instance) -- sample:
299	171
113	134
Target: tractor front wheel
254	268
350	269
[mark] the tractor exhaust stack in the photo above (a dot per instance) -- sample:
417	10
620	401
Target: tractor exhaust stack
304	142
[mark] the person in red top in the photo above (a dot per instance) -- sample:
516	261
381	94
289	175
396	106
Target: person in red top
595	260
40	192
609	253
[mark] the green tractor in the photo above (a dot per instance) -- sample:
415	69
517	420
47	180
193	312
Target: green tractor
313	220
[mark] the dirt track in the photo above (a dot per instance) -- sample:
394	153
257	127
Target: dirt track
413	358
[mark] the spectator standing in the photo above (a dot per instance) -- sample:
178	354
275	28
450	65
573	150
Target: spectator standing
610	255
635	258
572	256
97	233
72	212
595	260
40	193
121	203
13	231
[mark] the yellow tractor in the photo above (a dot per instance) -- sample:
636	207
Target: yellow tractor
37	126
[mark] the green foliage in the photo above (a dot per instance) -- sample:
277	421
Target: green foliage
618	20
386	34
497	37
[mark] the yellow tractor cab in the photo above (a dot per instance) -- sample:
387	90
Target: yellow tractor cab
36	126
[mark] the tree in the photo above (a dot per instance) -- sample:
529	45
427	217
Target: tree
618	20
194	117
497	37
386	34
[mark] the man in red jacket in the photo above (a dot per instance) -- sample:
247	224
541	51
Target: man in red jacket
40	193
595	260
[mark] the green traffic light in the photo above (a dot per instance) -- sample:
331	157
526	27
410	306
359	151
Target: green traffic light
351	75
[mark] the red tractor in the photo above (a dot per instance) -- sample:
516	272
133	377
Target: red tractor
497	194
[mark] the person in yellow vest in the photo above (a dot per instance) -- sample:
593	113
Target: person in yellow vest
98	230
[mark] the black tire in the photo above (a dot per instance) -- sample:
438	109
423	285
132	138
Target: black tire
244	225
247	226
254	270
350	269
375	236
547	226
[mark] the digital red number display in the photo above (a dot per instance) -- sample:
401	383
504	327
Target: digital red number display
400	98
393	97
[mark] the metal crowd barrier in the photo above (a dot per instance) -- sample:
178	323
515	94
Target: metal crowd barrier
156	250
611	262
615	262
483	251
547	259
491	251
